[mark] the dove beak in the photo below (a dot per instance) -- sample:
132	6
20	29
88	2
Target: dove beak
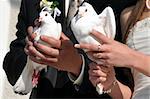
78	17
40	19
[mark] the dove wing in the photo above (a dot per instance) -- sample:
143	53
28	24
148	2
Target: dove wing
108	19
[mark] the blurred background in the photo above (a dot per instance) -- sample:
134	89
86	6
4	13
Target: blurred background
9	10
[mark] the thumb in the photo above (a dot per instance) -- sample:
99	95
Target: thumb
30	30
31	35
100	37
63	37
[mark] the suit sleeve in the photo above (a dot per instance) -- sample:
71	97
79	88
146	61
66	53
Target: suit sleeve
16	58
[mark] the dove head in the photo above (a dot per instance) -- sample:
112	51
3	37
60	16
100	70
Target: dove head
45	15
86	10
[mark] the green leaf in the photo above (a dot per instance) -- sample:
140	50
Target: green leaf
55	4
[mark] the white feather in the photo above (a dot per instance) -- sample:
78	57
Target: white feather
86	20
48	27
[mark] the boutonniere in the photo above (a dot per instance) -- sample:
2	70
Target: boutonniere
52	6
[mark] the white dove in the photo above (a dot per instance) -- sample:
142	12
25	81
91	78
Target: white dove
86	20
30	74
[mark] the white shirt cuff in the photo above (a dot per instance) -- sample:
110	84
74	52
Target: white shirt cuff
78	81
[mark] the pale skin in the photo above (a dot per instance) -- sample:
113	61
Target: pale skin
106	76
140	62
113	53
117	54
104	73
61	55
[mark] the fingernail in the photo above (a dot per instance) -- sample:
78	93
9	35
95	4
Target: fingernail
77	46
30	48
41	37
95	55
35	43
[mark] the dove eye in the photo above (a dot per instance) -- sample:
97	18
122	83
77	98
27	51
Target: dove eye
85	10
46	14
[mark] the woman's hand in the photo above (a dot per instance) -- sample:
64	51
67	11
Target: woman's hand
110	52
106	77
101	74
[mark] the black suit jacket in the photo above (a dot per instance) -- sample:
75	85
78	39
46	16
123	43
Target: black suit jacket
16	58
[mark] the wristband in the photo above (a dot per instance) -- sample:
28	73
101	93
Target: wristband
100	89
111	87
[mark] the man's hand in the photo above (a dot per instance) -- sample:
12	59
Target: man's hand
59	54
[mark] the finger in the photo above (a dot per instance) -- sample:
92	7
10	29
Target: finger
26	39
64	37
51	41
35	53
30	30
31	35
102	79
98	61
93	80
105	48
29	43
51	60
36	60
47	61
97	80
105	69
88	47
103	62
100	55
47	50
94	66
95	56
93	48
97	73
90	56
106	62
26	50
101	38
